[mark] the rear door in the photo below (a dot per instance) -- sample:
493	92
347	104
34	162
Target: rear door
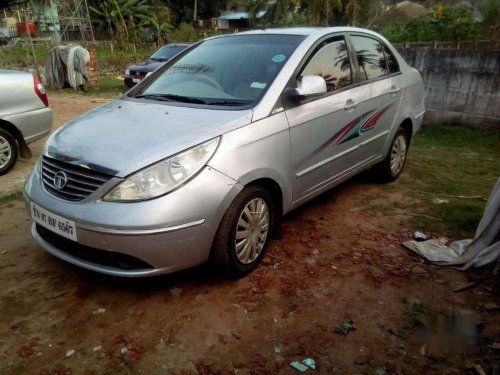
381	85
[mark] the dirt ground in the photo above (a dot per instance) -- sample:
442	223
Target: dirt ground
336	261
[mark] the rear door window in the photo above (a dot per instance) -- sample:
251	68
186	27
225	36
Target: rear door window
331	61
370	56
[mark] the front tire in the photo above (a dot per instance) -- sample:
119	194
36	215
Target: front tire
244	232
8	151
391	167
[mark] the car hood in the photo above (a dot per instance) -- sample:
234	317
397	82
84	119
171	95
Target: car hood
124	136
147	66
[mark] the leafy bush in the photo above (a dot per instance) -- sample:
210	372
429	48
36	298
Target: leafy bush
443	24
184	33
490	9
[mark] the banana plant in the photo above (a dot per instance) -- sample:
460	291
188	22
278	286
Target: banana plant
161	28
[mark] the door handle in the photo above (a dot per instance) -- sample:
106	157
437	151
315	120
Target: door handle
394	90
350	104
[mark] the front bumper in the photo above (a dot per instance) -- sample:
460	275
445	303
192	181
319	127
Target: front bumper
131	81
163	235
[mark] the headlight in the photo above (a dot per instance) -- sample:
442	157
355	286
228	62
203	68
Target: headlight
148	74
127	72
164	176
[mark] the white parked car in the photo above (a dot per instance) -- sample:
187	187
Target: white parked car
203	157
25	115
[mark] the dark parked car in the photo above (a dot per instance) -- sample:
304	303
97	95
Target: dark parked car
136	73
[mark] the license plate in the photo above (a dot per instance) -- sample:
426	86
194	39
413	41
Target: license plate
53	222
136	80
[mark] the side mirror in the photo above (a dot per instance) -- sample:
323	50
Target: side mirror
310	86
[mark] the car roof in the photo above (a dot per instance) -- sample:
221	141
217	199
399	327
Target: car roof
306	31
286	31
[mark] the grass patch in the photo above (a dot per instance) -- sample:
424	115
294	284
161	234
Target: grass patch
4	199
448	161
413	311
109	86
19	57
110	64
444	162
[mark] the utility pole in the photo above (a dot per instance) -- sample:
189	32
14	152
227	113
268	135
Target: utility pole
195	9
31	42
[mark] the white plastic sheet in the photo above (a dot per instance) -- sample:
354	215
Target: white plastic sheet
480	251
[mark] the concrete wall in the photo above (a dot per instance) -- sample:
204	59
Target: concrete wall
462	86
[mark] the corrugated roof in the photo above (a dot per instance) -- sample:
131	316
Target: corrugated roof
240	16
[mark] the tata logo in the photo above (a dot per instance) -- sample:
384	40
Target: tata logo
60	180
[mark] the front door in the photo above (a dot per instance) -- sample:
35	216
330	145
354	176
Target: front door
321	129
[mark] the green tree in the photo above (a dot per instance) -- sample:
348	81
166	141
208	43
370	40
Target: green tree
490	9
185	32
182	10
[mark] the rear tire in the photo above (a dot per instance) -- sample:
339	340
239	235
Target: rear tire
8	151
244	232
391	167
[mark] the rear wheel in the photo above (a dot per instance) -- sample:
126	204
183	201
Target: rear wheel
8	151
391	167
244	233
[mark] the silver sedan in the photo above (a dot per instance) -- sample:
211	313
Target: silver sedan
201	160
25	115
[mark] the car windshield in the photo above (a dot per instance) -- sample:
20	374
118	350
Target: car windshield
166	52
233	70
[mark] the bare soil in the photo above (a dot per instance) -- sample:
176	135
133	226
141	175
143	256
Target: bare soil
337	260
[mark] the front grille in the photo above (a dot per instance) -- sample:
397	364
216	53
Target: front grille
81	181
137	73
91	254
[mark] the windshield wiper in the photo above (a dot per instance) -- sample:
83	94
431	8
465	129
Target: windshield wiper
172	97
229	102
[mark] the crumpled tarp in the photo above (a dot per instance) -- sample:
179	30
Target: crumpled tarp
480	251
66	65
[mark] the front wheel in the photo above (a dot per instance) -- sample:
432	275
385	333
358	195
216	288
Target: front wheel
391	167
244	232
